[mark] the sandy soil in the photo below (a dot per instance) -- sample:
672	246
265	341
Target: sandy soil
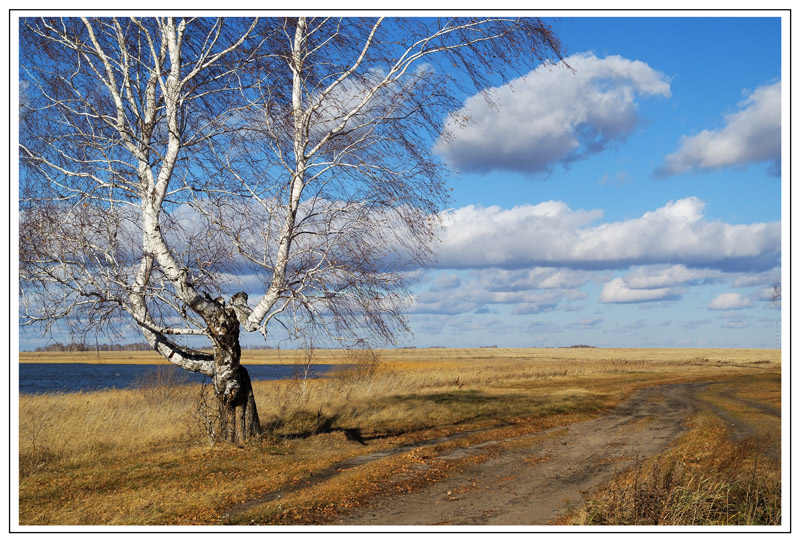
535	483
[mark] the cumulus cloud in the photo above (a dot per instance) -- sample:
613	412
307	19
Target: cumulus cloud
616	291
526	279
529	294
752	134
534	308
729	301
660	276
544	302
758	279
451	305
549	116
550	234
767	294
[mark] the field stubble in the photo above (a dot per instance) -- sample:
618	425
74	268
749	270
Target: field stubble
119	457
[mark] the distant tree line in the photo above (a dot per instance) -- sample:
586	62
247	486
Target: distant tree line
81	347
131	347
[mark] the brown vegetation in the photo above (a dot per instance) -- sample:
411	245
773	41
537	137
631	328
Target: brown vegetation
708	477
705	480
119	457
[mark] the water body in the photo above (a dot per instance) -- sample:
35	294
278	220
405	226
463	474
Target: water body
72	377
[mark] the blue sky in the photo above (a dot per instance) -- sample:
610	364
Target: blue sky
634	202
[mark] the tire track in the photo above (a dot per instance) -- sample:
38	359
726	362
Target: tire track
535	484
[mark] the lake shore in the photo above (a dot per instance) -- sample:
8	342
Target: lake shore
423	356
272	357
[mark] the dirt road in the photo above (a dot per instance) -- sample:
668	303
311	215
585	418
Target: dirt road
532	479
535	483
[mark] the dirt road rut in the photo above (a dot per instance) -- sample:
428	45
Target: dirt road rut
535	483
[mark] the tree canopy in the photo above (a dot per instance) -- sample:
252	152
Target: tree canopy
279	168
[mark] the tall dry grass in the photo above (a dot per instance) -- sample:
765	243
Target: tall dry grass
385	392
706	480
77	427
150	443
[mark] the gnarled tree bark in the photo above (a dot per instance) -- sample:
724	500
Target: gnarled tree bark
237	406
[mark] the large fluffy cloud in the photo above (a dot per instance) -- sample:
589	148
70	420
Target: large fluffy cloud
752	134
550	234
551	115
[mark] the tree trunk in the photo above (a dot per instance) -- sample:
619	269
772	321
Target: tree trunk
239	417
232	387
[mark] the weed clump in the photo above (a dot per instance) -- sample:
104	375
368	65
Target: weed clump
733	485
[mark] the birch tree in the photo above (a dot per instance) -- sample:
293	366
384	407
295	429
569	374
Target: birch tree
204	177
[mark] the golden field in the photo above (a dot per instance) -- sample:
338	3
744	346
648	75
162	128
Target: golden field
141	456
439	356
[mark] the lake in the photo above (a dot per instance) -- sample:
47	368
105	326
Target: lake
72	377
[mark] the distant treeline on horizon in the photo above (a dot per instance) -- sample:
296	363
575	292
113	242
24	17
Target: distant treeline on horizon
136	347
131	347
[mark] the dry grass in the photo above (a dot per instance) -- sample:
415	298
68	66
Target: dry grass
730	484
77	427
705	478
140	456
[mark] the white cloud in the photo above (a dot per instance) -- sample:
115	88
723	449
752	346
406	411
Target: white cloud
527	290
736	324
551	115
766	294
534	308
729	301
447	305
752	134
734	320
550	234
526	279
545	302
758	279
659	276
616	291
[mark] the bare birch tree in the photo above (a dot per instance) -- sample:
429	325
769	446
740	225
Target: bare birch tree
162	160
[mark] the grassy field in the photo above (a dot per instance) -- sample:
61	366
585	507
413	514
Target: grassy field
137	457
